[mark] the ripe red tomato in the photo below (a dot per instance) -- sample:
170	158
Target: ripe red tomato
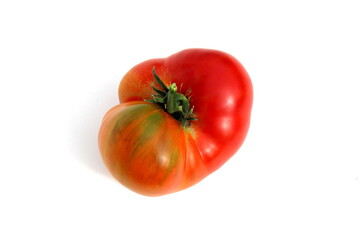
162	138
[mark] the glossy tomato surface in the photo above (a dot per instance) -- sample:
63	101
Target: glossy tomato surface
148	150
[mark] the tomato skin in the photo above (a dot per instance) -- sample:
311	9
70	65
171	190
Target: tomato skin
221	93
136	145
147	150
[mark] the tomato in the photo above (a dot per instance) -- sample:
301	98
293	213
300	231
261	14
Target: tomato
179	119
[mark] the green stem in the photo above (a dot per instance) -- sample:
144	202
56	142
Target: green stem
173	102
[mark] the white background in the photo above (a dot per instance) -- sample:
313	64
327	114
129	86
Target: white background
296	177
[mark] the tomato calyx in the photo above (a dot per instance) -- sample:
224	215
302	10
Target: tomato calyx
173	102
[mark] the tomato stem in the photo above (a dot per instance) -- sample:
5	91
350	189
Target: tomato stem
173	102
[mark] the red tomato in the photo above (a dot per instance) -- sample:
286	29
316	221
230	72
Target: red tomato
176	138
